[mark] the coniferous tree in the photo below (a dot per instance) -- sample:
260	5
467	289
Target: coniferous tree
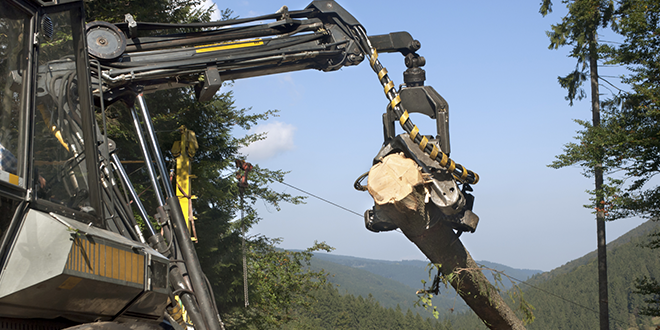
579	28
627	139
633	124
279	281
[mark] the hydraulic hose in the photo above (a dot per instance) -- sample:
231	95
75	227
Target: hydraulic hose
458	171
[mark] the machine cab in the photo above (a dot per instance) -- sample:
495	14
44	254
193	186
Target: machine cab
59	258
46	119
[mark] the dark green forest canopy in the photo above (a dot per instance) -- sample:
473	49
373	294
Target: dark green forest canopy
566	297
622	142
278	280
629	137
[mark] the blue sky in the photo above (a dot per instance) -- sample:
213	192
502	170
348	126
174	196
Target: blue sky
508	119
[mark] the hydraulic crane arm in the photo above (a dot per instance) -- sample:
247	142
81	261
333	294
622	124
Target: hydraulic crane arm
323	37
69	167
132	59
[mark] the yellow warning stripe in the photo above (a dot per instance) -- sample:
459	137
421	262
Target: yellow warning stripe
228	45
395	101
373	59
444	160
382	74
389	86
106	261
464	173
414	133
423	143
434	152
452	166
404	117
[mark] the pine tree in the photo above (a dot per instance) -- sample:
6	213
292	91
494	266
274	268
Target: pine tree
280	281
580	29
627	139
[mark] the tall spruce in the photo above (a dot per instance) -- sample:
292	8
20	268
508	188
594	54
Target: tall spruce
579	29
632	125
628	137
280	281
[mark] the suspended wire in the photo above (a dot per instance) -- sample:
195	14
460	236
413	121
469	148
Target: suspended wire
323	199
511	277
610	42
564	299
609	83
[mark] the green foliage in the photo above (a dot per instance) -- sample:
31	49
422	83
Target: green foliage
332	310
436	278
626	143
279	281
280	285
651	287
578	29
161	11
425	296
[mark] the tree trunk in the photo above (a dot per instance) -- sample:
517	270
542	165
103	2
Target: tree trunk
397	186
600	206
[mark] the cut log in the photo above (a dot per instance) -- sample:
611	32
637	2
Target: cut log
398	188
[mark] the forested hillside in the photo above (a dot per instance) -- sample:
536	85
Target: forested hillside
564	298
360	282
395	282
332	310
411	272
567	297
626	260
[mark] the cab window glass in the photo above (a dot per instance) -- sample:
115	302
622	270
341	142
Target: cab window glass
14	48
59	159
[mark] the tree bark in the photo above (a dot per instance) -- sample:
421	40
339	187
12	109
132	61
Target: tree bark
603	301
399	191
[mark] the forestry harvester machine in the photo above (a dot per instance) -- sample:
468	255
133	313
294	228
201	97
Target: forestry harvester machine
71	250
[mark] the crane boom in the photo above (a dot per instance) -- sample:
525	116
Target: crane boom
62	183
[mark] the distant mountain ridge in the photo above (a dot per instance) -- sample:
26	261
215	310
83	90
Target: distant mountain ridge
564	298
576	283
567	297
634	234
395	282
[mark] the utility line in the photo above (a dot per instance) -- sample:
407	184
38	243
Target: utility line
511	277
323	199
562	298
605	80
610	42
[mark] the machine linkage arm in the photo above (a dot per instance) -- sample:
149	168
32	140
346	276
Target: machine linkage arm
323	37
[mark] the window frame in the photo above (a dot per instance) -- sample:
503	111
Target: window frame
88	123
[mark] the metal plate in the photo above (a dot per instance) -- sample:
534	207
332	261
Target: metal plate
105	40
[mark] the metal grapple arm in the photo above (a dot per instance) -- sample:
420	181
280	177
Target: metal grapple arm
323	37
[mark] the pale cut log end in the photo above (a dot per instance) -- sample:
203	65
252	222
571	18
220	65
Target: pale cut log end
393	179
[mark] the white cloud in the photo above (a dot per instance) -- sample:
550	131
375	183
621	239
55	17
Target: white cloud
215	16
279	139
